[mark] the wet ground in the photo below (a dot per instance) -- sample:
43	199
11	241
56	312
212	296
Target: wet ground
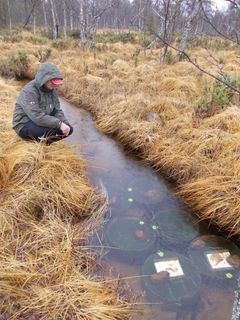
148	230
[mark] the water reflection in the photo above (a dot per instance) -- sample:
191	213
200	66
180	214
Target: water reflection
148	233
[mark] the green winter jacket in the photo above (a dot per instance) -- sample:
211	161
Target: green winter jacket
38	104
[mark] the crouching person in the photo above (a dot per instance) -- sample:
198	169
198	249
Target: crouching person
37	114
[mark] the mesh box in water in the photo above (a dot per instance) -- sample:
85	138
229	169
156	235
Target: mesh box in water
130	239
216	258
147	190
176	226
170	277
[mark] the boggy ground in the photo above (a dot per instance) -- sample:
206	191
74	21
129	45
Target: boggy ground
47	210
172	116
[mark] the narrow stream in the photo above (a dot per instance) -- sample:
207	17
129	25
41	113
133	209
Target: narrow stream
149	230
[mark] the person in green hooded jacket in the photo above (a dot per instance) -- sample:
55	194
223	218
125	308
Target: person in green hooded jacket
37	114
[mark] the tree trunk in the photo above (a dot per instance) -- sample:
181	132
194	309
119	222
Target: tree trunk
26	9
176	14
54	30
187	29
34	22
82	25
56	17
163	54
140	19
165	35
71	18
9	16
64	19
44	15
94	35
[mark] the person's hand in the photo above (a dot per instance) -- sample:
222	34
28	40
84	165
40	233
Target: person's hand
65	129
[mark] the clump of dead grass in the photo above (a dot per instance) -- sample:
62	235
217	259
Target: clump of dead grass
178	86
47	178
216	198
165	107
120	65
228	120
145	69
169	156
139	136
83	91
109	122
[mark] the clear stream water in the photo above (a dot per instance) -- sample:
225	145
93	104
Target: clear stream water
138	219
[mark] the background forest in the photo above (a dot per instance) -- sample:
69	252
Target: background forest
166	19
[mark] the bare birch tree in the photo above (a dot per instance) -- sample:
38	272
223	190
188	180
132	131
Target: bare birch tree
64	19
188	26
166	28
34	20
54	21
9	15
45	23
82	24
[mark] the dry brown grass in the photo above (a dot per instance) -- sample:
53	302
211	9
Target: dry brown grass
44	177
139	135
216	198
228	120
46	273
46	270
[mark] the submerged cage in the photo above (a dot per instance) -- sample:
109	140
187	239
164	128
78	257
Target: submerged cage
217	259
130	239
170	277
176	227
148	191
139	192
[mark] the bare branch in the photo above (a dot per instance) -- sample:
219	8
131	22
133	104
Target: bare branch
136	16
195	64
158	14
30	13
212	25
234	3
216	63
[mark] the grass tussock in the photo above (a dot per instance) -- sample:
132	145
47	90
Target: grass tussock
140	136
175	86
47	211
216	198
177	164
44	177
228	121
166	108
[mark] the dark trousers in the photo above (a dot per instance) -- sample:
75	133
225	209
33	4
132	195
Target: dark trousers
31	131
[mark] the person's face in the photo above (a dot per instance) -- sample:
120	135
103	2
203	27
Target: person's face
50	86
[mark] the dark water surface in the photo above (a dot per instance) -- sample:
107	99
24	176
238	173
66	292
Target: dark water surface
149	229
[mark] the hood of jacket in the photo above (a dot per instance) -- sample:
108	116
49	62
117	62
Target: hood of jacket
46	72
